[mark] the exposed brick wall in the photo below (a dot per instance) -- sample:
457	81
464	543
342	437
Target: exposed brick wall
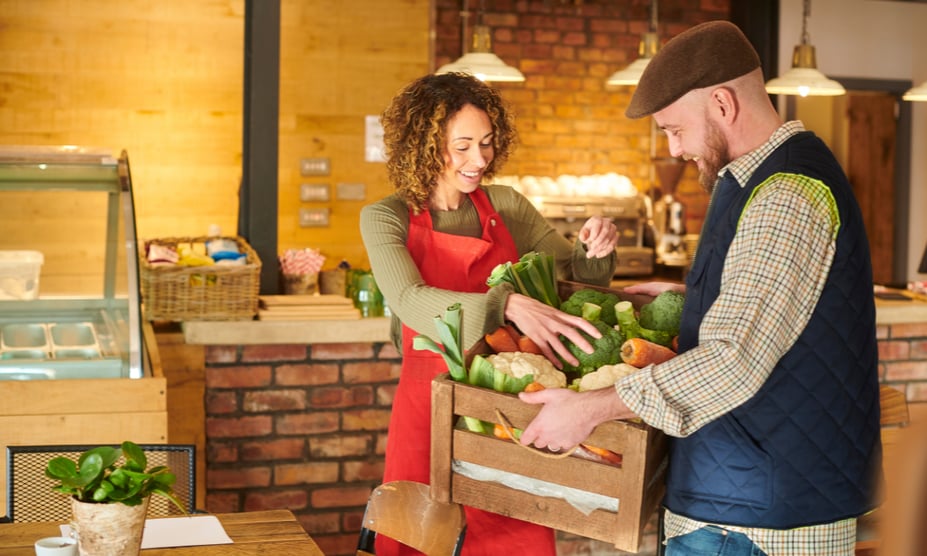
570	122
299	427
903	361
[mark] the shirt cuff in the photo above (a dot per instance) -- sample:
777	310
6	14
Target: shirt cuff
640	392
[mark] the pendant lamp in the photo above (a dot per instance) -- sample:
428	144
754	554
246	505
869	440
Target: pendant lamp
480	61
803	78
649	45
918	93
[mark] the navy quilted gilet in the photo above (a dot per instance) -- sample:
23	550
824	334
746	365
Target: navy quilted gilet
805	449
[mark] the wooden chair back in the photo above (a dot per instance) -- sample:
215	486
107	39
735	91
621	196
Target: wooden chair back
29	492
405	512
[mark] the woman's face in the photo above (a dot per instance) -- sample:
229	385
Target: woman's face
468	152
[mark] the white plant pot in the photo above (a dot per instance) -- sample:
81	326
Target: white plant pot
108	529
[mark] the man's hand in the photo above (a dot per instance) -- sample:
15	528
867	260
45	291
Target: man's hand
655	288
568	417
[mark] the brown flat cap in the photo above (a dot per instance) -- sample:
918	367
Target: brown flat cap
705	55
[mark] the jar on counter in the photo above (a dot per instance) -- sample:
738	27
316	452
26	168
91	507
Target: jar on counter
365	293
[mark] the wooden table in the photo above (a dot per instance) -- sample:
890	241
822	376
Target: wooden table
254	533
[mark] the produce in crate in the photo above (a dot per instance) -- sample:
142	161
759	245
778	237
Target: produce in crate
579	301
604	376
639	353
504	338
508	338
658	321
533	275
481	371
520	364
510	371
606	349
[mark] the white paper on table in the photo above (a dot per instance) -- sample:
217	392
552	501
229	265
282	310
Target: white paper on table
167	532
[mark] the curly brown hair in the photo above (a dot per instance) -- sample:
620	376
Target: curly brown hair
415	131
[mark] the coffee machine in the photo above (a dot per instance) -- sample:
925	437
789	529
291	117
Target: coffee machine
568	201
669	213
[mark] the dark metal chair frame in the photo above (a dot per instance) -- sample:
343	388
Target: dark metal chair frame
29	493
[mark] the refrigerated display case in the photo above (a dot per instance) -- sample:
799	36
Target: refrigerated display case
69	296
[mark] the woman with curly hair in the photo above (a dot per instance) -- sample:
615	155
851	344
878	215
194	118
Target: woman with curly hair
435	241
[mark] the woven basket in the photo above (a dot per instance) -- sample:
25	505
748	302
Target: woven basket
186	293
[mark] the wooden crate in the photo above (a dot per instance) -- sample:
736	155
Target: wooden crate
638	484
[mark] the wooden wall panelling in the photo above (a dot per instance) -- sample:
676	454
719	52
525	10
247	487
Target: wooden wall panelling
159	79
341	62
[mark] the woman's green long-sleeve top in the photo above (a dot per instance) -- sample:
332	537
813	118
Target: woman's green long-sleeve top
384	227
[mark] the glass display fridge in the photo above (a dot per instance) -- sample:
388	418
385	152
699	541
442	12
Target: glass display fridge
69	295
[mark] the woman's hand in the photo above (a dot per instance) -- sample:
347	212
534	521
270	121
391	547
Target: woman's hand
545	324
600	236
655	288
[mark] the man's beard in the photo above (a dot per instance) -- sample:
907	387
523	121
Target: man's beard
714	157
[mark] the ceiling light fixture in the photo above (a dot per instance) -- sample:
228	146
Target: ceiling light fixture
803	78
918	93
479	61
650	43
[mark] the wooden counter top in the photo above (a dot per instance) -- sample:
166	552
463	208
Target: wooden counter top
890	311
376	329
334	331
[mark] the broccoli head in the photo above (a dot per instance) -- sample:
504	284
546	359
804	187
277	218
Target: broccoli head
607	349
574	304
663	313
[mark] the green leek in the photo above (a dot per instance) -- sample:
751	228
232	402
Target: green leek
451	336
532	275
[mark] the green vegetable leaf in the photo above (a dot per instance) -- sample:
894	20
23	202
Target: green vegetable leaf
532	275
450	332
424	343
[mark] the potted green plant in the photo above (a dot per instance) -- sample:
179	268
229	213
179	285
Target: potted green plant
110	489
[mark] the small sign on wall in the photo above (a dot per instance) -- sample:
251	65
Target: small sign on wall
374	151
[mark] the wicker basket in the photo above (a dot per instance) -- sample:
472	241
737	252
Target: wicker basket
185	293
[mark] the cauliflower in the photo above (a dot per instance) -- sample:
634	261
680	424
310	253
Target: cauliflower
519	364
574	304
605	376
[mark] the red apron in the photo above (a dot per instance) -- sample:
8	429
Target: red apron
461	264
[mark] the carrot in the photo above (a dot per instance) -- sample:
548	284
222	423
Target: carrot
499	432
607	456
512	330
675	345
639	352
502	340
534	387
527	345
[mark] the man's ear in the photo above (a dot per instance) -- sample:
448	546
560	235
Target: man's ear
724	104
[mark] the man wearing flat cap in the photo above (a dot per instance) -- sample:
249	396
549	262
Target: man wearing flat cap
772	403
